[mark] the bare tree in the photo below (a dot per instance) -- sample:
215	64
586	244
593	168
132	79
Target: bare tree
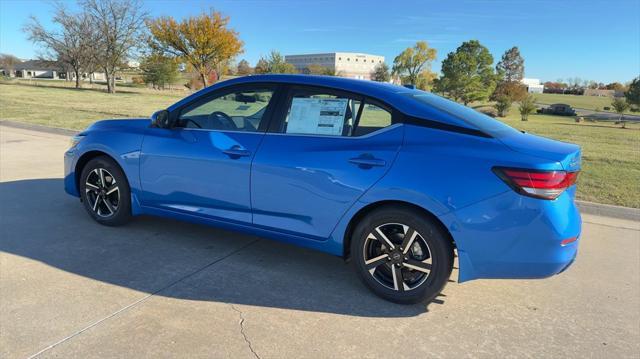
8	63
71	44
120	25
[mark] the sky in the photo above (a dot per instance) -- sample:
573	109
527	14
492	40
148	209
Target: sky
592	39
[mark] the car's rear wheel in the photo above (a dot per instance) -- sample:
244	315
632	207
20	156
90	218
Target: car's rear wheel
105	192
401	254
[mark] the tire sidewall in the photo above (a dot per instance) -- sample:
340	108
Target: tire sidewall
439	245
123	213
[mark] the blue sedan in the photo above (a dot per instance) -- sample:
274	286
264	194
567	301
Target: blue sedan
396	180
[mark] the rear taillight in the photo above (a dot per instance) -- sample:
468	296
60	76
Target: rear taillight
536	183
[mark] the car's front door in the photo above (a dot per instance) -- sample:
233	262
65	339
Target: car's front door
201	166
323	151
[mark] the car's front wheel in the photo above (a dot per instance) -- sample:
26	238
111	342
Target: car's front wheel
105	192
402	255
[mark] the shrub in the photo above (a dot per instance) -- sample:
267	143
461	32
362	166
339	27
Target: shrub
503	104
527	107
489	111
138	80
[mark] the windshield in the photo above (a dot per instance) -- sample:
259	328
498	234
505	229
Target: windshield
465	114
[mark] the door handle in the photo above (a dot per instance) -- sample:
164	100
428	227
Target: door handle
366	162
236	152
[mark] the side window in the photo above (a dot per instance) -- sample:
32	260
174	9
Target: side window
318	113
372	118
241	110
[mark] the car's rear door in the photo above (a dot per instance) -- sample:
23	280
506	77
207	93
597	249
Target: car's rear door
316	159
202	165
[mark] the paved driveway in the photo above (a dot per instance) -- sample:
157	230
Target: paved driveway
159	288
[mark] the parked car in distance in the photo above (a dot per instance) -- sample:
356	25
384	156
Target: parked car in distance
559	109
395	179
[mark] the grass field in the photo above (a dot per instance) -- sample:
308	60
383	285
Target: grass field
611	155
585	102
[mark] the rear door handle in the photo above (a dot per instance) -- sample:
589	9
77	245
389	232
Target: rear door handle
366	162
236	152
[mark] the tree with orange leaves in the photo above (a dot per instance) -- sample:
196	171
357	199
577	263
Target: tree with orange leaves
204	41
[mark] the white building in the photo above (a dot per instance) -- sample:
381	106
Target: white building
345	64
533	85
51	70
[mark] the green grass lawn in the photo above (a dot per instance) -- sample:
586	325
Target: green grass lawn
75	109
611	155
585	102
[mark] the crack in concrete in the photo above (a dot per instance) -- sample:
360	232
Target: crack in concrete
143	299
244	335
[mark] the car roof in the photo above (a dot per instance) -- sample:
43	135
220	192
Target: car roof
344	83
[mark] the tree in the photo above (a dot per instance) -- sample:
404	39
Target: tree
616	86
527	107
262	66
514	90
467	73
274	64
71	44
277	65
8	63
119	26
502	105
633	92
317	69
244	68
204	41
426	79
410	62
574	82
381	73
511	66
589	84
510	70
620	105
159	70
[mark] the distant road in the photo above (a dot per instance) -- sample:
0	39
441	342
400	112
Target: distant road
598	115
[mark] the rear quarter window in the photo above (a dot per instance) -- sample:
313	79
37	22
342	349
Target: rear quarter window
472	118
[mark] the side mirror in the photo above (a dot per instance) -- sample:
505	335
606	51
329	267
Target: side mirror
160	119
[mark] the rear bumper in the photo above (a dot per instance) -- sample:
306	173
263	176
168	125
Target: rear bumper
513	236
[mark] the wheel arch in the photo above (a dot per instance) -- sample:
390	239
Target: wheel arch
88	156
379	204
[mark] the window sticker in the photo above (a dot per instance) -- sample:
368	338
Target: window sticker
317	116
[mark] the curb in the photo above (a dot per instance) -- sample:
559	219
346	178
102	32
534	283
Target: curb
41	128
597	209
607	210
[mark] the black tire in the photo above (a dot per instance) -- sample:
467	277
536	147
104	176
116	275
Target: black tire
424	268
106	205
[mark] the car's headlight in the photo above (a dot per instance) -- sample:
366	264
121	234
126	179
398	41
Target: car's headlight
75	140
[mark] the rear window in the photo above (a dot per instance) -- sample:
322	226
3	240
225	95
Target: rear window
467	115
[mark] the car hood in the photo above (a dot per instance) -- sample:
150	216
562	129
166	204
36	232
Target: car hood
567	154
120	124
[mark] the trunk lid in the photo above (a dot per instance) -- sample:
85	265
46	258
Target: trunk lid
567	154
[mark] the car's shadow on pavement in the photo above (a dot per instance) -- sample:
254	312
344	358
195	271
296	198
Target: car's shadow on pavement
180	260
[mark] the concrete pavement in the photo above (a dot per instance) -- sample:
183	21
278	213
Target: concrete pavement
160	288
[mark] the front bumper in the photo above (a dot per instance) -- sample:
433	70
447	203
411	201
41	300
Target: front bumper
70	185
513	236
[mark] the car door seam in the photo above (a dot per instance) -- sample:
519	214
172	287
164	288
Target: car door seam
391	163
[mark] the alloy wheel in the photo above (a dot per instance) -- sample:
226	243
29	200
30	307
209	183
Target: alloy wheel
102	192
397	257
